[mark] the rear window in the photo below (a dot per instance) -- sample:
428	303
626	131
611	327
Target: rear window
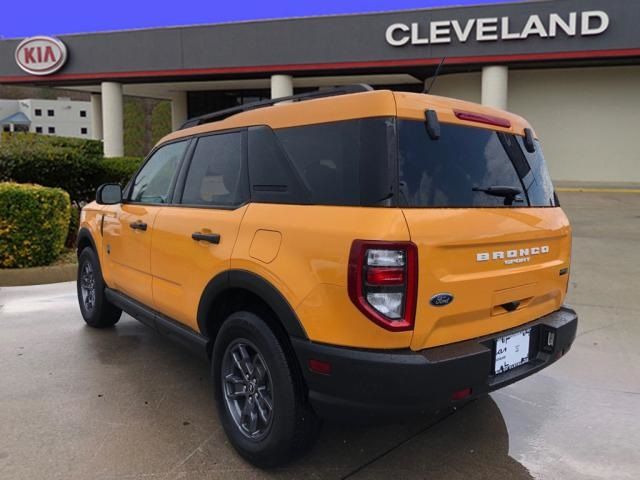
457	169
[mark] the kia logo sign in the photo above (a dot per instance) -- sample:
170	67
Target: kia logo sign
41	55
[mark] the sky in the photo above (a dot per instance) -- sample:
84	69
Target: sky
39	17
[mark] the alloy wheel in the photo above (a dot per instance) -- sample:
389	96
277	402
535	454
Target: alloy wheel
88	287
247	387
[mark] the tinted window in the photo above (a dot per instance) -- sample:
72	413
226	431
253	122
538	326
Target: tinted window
153	182
445	172
272	177
538	182
343	163
216	172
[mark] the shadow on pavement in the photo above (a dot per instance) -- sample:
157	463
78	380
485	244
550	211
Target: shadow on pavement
469	443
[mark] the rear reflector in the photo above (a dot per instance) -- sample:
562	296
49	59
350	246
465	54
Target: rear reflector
319	366
385	276
482	118
461	394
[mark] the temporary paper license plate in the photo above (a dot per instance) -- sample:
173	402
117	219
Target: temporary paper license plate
512	351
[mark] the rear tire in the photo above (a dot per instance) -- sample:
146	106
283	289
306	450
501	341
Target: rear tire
260	393
96	310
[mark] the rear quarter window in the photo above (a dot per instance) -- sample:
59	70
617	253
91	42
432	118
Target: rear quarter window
344	163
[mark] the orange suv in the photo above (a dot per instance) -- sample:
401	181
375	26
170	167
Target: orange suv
347	254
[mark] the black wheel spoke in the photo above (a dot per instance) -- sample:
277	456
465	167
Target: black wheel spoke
266	398
231	378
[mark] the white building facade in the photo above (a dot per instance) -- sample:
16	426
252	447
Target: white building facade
62	117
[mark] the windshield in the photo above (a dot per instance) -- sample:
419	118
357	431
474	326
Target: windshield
469	167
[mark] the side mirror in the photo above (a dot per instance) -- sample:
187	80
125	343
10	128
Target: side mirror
109	194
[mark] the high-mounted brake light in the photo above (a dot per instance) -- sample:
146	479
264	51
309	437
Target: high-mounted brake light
383	280
482	118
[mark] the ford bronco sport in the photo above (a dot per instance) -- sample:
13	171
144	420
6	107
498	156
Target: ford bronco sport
346	254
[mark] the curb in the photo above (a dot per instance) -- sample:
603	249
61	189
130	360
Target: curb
10	277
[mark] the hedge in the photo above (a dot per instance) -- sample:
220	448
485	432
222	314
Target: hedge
51	166
86	147
119	170
74	226
70	164
34	221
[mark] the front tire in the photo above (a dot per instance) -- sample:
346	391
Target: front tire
96	310
260	394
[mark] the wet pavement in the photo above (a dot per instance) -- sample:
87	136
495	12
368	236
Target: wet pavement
77	403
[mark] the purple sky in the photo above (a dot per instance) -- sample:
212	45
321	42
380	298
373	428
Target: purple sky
37	17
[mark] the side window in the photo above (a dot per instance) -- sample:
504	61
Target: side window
344	163
216	175
273	177
153	182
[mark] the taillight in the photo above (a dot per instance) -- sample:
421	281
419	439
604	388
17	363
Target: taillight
482	118
383	281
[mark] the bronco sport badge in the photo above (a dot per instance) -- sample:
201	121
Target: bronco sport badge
521	255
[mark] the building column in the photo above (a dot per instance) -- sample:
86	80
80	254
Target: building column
96	116
495	86
112	119
281	86
178	110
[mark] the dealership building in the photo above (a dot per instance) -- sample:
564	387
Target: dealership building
571	67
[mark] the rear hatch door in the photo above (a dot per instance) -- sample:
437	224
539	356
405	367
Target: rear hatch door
500	254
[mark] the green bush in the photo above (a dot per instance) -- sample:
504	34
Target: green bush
50	165
34	222
74	225
85	147
119	170
67	163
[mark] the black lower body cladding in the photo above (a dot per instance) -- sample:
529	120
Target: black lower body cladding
374	385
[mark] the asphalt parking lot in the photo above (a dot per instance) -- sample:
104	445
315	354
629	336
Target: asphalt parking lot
77	403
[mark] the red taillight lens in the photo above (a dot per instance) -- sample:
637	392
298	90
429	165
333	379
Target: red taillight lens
385	276
383	280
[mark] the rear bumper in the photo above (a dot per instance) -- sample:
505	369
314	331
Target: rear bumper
366	385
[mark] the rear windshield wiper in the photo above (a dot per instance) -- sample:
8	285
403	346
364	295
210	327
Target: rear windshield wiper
510	194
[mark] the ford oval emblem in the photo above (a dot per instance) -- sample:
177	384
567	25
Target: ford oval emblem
441	299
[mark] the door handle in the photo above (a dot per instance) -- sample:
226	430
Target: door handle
138	225
206	237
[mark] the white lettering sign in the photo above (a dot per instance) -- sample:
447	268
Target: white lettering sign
492	29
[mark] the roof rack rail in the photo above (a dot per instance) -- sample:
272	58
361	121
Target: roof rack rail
222	114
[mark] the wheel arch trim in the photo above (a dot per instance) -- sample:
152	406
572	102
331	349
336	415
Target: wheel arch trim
257	285
85	234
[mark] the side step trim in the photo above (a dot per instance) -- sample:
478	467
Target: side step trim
165	326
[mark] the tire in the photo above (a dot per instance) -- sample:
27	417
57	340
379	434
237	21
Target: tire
94	306
280	433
